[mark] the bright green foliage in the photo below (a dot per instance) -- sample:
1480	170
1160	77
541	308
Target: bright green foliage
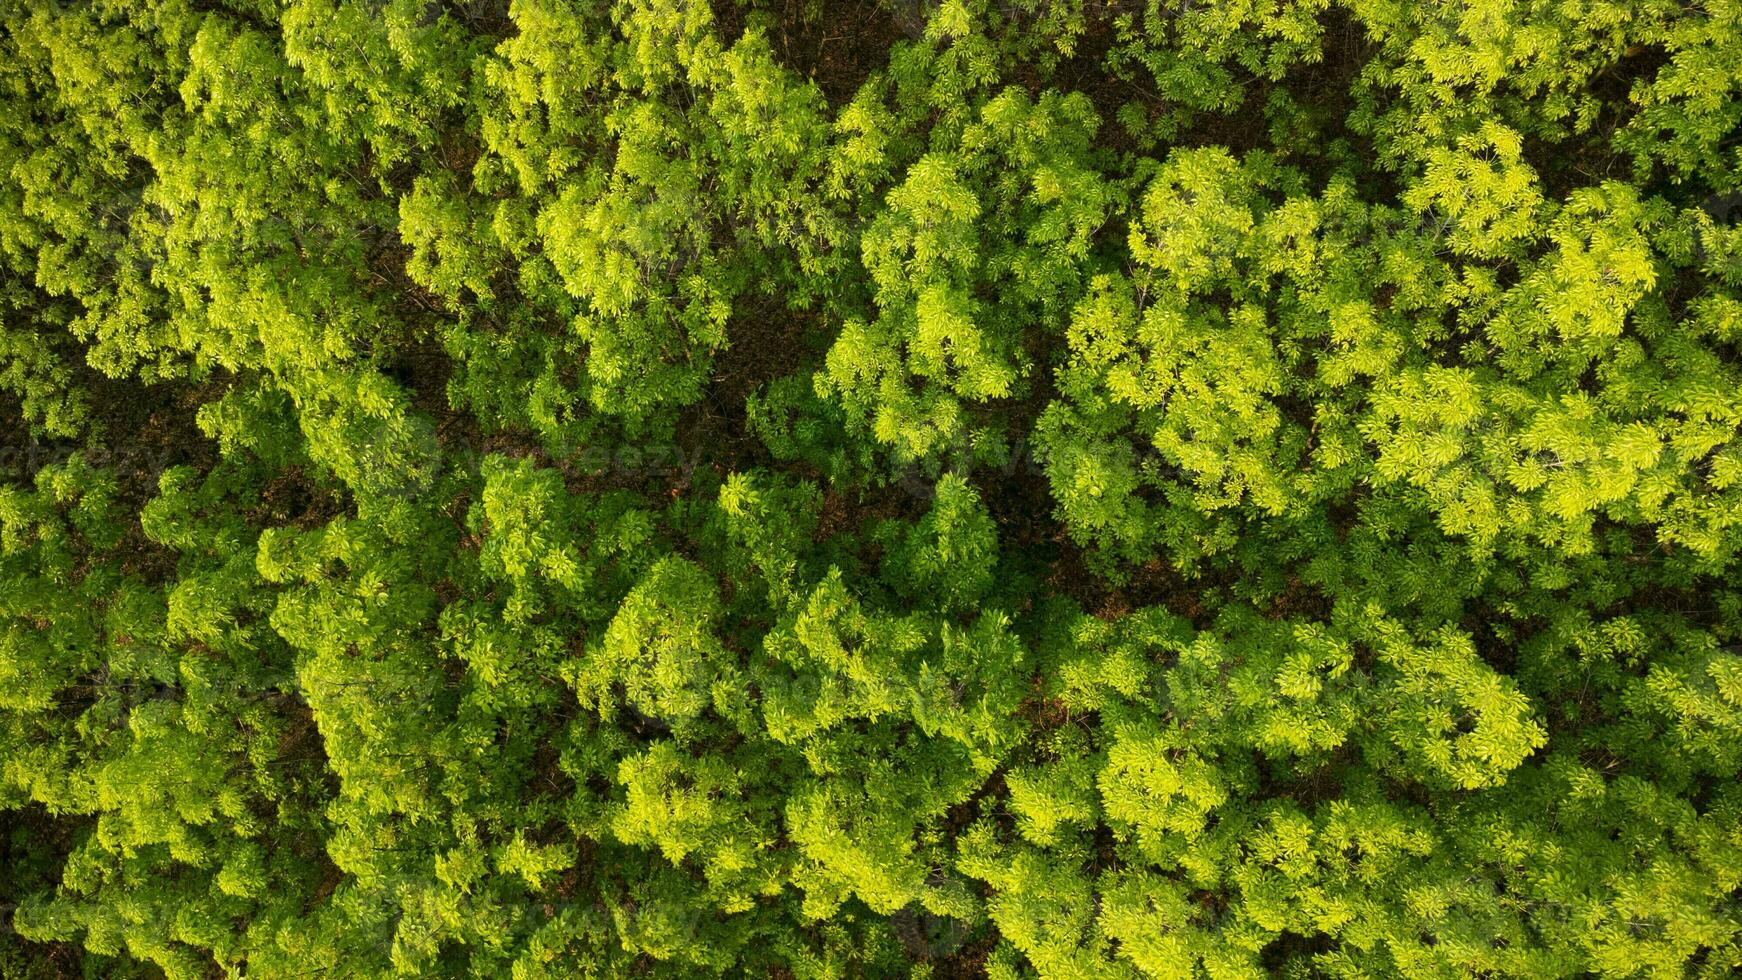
771	488
979	245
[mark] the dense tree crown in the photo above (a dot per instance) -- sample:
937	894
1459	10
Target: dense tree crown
880	488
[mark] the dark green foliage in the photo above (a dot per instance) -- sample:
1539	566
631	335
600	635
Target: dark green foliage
778	488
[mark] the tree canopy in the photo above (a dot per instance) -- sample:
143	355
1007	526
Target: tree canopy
888	488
